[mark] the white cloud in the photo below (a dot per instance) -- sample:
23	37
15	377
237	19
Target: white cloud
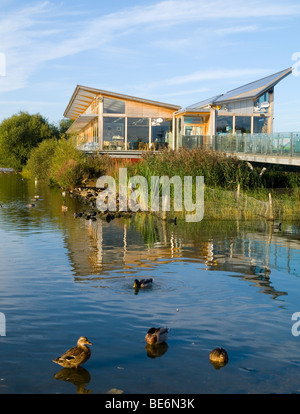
206	75
45	31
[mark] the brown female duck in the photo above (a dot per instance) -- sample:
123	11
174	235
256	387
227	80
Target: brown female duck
156	336
76	356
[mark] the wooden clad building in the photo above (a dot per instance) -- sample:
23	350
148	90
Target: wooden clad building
114	122
108	121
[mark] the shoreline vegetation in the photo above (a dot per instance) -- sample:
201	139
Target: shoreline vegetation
233	188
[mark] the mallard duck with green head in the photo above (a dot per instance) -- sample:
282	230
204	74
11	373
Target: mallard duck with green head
142	283
76	356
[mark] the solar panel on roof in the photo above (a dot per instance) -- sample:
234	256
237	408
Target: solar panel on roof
254	88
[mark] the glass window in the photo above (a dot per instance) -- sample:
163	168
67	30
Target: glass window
243	124
138	133
262	103
113	133
224	124
195	119
113	106
260	125
161	134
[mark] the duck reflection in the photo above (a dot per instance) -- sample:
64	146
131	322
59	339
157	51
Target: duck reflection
79	377
218	365
155	351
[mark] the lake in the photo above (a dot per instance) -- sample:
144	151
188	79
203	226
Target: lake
230	283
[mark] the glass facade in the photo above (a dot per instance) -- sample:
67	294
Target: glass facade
113	133
161	134
224	124
138	133
113	106
243	125
260	125
263	98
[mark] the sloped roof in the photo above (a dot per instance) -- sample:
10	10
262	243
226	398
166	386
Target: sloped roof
200	105
249	91
83	96
254	89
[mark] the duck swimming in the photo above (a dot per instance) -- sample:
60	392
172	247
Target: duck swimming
156	336
277	226
142	283
64	207
218	355
76	356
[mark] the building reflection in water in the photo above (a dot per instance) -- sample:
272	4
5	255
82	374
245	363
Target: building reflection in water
248	249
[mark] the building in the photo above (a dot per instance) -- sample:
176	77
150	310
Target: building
112	122
248	109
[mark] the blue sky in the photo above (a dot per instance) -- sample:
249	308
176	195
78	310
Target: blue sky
173	51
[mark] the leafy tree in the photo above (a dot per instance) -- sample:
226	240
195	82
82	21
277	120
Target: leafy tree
19	134
39	162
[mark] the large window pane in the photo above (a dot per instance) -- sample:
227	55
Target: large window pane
138	133
224	124
263	99
194	119
260	125
161	134
243	124
113	106
113	133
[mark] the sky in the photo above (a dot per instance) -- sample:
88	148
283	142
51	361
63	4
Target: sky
173	51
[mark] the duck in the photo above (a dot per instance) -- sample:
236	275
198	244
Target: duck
174	220
142	283
76	356
156	336
277	226
64	207
219	355
30	205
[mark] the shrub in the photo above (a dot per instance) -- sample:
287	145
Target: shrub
67	165
39	162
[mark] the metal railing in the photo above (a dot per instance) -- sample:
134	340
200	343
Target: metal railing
276	144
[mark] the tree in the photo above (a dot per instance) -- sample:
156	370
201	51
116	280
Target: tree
19	134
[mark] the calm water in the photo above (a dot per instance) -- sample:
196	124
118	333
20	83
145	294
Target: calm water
230	284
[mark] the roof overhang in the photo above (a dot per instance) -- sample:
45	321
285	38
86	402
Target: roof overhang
81	122
201	111
83	96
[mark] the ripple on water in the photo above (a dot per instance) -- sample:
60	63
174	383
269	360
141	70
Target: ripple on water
124	284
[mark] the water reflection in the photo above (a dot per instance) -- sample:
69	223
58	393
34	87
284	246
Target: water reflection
79	377
156	351
249	249
97	247
203	279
